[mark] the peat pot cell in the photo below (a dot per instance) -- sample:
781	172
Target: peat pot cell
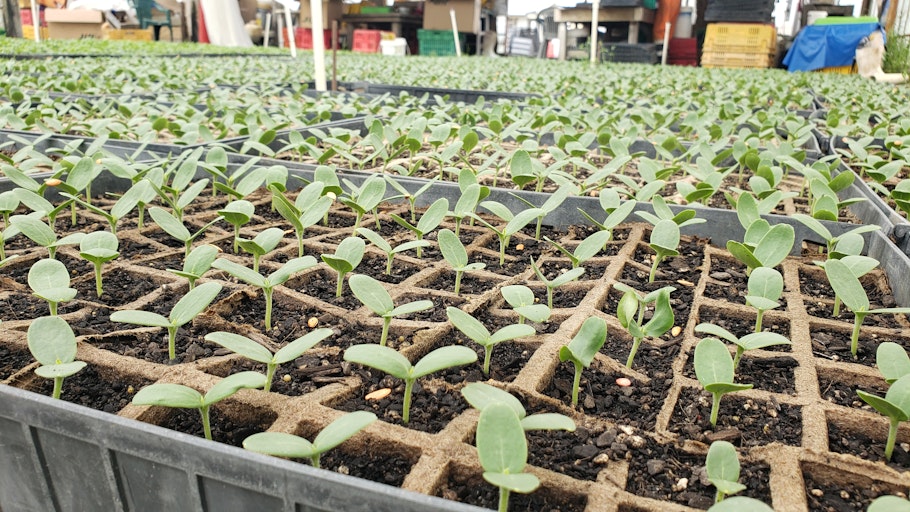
322	284
25	306
741	324
495	319
157	235
506	361
727	280
774	374
291	318
657	471
510	267
189	345
866	439
834	343
555	267
13	359
433	403
99	388
839	387
653	358
16	271
470	283
831	488
299	377
375	267
686	266
136	247
826	310
121	287
813	283
365	457
465	485
681	300
742	421
174	260
232	422
435	314
171	295
568	296
599	395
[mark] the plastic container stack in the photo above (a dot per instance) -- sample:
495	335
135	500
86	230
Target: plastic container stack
366	41
739	45
645	53
747	11
303	38
439	43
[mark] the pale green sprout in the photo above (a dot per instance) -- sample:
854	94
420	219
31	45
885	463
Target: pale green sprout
858	265
889	503
741	504
586	249
257	352
429	221
753	341
141	192
765	287
183	397
456	255
631	314
664	242
372	294
365	198
237	213
714	370
99	248
553	202
722	466
481	395
411	198
53	343
267	284
558	281
895	406
522	300
825	233
763	245
175	227
197	263
514	223
290	446
474	329
663	212
389	361
847	286
503	452
50	280
307	209
263	243
892	361
42	234
466	204
617	210
384	246
186	309
347	257
582	349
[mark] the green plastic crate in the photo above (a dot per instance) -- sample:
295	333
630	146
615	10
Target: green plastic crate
439	42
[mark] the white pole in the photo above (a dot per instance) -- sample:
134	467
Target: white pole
595	14
36	21
455	32
268	28
663	57
291	36
318	44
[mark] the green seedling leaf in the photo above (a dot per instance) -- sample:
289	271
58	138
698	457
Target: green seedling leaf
582	349
714	370
456	255
374	296
895	406
290	446
889	504
892	361
197	263
740	504
50	280
481	395
522	300
53	344
347	257
99	248
722	466
472	328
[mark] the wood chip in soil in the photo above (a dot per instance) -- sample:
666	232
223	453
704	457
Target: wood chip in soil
742	421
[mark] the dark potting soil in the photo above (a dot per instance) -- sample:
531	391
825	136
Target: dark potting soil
741	421
299	377
740	327
860	444
652	357
637	405
576	454
388	469
375	266
825	310
433	405
189	345
107	393
132	248
173	261
727	280
323	285
506	317
563	297
470	284
12	360
226	428
435	314
774	374
506	360
120	287
25	306
464	487
510	267
594	269
833	389
686	266
657	471
289	317
826	495
834	344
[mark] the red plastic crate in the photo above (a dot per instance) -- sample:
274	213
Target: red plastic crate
683	62
366	41
26	16
303	38
685	48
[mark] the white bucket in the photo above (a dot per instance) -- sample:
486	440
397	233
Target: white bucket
683	28
395	47
813	16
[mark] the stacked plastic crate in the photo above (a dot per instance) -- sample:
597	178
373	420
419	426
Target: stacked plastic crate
739	45
643	53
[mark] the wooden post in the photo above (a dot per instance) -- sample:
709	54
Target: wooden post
595	14
334	55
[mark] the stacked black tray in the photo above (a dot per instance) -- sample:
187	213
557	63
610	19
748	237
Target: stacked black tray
750	11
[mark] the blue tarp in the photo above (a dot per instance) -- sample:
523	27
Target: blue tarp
826	46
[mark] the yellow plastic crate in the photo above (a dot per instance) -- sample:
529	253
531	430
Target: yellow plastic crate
841	70
28	32
736	60
128	34
740	38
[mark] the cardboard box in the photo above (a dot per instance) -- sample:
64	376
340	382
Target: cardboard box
331	10
467	15
128	34
74	23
